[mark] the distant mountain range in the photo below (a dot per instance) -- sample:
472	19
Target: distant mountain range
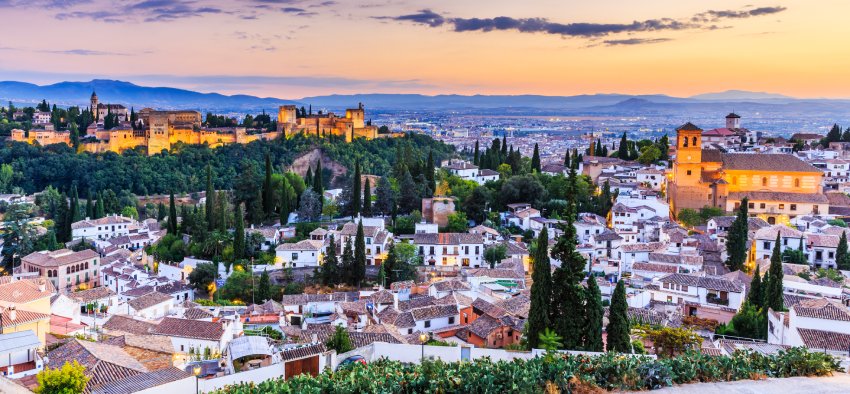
78	93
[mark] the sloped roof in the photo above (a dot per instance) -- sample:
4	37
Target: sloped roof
821	308
185	328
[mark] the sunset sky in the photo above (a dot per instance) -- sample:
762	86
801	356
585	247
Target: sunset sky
297	48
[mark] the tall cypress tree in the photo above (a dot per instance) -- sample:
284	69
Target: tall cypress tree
359	269
268	201
567	160
239	233
99	210
429	172
75	204
773	294
593	314
541	291
172	216
535	159
347	262
161	212
619	326
89	205
504	145
308	178
623	150
221	200
568	296
330	265
476	157
318	181
367	199
842	259
356	189
209	204
756	295
62	216
285	201
736	238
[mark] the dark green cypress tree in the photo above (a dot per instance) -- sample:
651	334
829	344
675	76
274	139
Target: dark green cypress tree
75	204
476	157
330	265
264	288
239	233
308	178
623	150
593	313
567	160
318	180
89	205
567	311
99	210
161	213
209	204
619	327
736	239
429	172
504	153
773	295
535	159
841	257
541	291
172	216
348	262
756	295
268	201
62	216
285	201
367	199
359	271
356	189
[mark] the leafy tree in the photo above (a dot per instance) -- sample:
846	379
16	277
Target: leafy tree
541	291
749	322
384	197
670	341
169	249
457	223
593	314
286	197
130	212
310	207
689	217
495	254
71	378
400	262
476	205
618	321
238	286
736	238
340	341
172	215
649	154
522	188
549	340
239	233
264	288
409	195
203	276
842	258
773	293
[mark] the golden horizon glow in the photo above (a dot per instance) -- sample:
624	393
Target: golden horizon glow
253	47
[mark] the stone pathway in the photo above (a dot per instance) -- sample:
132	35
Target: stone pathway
839	383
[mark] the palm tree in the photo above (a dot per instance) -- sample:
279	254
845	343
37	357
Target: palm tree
549	340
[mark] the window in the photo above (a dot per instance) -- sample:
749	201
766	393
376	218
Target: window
685	144
734	180
295	256
796	182
694	141
767	245
761	205
684	288
793	207
476	250
781	206
427	323
689	172
752	205
451	320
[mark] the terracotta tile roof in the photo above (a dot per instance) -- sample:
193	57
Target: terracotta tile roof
382	297
766	162
407	284
481	305
107	220
688	127
434	312
24	291
665	268
827	340
518	305
821	308
302	352
307	244
484	326
126	324
451	285
59	257
93	294
185	328
21	317
149	300
142	381
415	302
708	282
103	363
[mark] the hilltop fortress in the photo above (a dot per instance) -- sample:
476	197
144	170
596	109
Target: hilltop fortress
158	130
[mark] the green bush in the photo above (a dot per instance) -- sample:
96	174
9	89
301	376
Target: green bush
609	371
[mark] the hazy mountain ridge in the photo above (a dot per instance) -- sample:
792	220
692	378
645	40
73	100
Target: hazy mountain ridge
77	93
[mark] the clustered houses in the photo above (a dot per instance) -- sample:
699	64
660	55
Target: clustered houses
450	249
114	232
310	252
470	172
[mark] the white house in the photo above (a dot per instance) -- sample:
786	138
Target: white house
816	323
651	177
765	238
19	354
195	336
306	253
151	306
104	228
712	297
450	249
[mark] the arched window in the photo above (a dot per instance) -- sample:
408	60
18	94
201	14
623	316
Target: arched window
695	142
764	181
796	182
685	142
87	265
734	180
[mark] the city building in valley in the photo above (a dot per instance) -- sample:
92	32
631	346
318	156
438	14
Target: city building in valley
778	186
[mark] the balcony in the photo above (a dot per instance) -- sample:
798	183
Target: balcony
716	300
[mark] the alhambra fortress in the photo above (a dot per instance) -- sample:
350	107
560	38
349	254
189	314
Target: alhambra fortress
158	130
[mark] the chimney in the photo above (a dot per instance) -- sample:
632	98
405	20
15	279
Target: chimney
42	285
314	338
13	313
